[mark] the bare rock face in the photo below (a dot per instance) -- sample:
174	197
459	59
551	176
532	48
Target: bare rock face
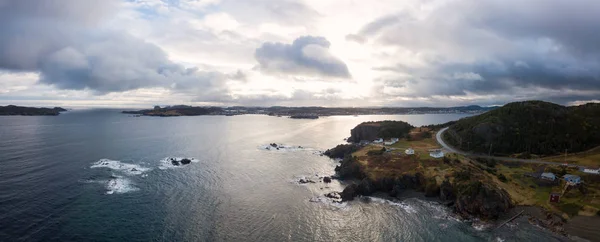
447	193
364	131
481	200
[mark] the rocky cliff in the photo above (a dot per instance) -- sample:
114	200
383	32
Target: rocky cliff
383	129
469	197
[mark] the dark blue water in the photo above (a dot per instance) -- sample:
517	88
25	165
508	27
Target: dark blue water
51	188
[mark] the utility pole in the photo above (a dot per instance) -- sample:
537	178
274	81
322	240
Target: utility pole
566	155
490	153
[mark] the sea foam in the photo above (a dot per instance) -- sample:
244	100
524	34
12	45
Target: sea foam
119	185
126	168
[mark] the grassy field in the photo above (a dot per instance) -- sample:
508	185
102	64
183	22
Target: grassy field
525	190
590	158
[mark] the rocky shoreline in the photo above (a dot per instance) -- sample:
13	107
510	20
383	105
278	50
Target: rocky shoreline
470	201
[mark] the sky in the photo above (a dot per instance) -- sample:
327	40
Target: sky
350	53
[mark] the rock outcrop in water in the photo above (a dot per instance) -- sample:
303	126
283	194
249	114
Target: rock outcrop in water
180	162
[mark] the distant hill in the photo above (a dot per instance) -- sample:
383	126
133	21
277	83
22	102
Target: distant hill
534	127
29	111
382	129
179	110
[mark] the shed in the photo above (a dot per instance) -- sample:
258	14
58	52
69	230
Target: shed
436	153
572	178
554	197
548	176
409	151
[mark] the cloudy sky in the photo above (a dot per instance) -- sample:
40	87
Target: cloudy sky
138	53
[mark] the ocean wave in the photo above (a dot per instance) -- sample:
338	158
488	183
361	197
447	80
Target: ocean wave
330	202
167	164
127	168
406	207
120	185
284	148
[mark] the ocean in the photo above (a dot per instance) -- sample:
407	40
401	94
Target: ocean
99	175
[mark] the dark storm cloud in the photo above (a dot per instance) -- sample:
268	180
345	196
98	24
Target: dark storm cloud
493	47
306	55
65	41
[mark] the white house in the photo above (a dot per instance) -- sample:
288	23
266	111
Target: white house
409	151
436	153
378	141
592	171
392	141
548	176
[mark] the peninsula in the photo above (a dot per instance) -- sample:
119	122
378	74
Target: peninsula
390	157
30	111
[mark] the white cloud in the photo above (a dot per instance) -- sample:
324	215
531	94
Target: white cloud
436	52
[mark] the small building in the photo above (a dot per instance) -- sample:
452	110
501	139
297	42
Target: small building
392	141
592	171
409	151
436	153
554	197
572	179
548	176
378	141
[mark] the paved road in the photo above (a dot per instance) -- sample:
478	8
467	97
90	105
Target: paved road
438	136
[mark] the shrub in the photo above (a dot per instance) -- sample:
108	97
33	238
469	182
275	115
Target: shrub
501	177
570	208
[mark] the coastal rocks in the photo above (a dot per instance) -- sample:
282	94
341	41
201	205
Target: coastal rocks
349	192
447	193
481	200
551	222
281	147
341	151
432	189
327	179
179	162
305	181
176	162
335	196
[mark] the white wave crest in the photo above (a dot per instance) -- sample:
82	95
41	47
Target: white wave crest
403	205
283	147
119	185
127	168
330	202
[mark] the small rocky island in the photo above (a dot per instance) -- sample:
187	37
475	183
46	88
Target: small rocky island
180	162
30	111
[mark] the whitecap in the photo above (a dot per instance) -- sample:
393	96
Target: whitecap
127	168
499	239
330	202
283	148
119	185
481	226
403	205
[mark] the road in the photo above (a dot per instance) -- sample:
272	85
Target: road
439	139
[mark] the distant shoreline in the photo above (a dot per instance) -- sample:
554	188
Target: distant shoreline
12	110
300	112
